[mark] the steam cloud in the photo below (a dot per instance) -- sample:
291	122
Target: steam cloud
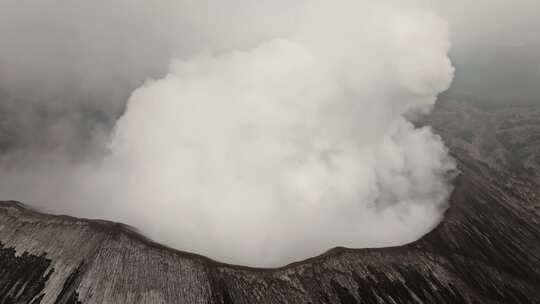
262	149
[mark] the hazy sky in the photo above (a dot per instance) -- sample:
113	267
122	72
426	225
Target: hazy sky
100	50
496	47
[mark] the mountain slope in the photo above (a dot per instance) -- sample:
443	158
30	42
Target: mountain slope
486	250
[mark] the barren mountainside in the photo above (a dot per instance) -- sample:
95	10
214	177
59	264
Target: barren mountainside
486	250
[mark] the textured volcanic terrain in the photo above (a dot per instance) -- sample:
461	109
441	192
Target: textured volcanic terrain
486	250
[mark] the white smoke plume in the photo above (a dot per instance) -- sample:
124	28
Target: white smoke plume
275	147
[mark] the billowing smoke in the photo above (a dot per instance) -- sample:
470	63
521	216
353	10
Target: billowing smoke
268	140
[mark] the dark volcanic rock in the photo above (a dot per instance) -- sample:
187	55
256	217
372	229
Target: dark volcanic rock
487	250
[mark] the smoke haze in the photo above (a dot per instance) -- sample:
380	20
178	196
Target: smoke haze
257	134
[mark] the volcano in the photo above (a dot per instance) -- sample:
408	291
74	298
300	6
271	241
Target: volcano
486	250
